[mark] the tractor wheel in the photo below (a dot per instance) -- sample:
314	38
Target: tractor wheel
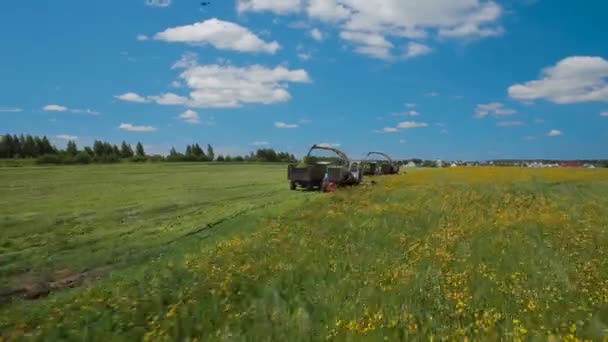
292	186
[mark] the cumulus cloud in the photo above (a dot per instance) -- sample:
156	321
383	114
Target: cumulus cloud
54	108
135	128
494	109
572	80
416	49
132	97
316	34
142	37
280	124
10	110
169	99
370	44
66	137
394	19
604	113
230	86
224	86
554	133
190	117
509	123
222	35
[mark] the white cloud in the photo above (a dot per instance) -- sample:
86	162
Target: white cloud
134	128
432	94
66	137
509	123
188	60
10	110
175	84
529	138
410	105
604	113
260	143
539	121
394	19
416	49
316	34
190	117
85	111
169	99
554	133
494	109
230	86
407	113
572	80
304	56
411	124
223	35
327	10
158	3
276	6
142	37
58	108
402	125
54	108
132	97
280	124
370	44
224	86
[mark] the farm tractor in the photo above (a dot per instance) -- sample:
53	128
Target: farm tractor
324	174
379	167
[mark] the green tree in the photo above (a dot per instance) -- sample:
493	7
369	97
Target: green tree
98	148
4	146
71	148
46	147
210	153
125	150
220	158
29	149
139	150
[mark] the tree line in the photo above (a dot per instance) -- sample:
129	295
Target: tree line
40	149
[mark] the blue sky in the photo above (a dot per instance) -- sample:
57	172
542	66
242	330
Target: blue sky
449	79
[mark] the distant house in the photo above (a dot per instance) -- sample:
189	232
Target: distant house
410	165
454	165
439	163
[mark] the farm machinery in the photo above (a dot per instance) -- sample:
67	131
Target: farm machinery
324	174
380	167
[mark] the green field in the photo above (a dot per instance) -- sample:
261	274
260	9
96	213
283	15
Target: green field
226	252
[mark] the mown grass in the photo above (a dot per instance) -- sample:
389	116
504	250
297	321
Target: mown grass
58	222
486	253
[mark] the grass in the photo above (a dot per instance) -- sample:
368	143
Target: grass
485	253
58	222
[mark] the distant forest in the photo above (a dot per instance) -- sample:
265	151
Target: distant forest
40	149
